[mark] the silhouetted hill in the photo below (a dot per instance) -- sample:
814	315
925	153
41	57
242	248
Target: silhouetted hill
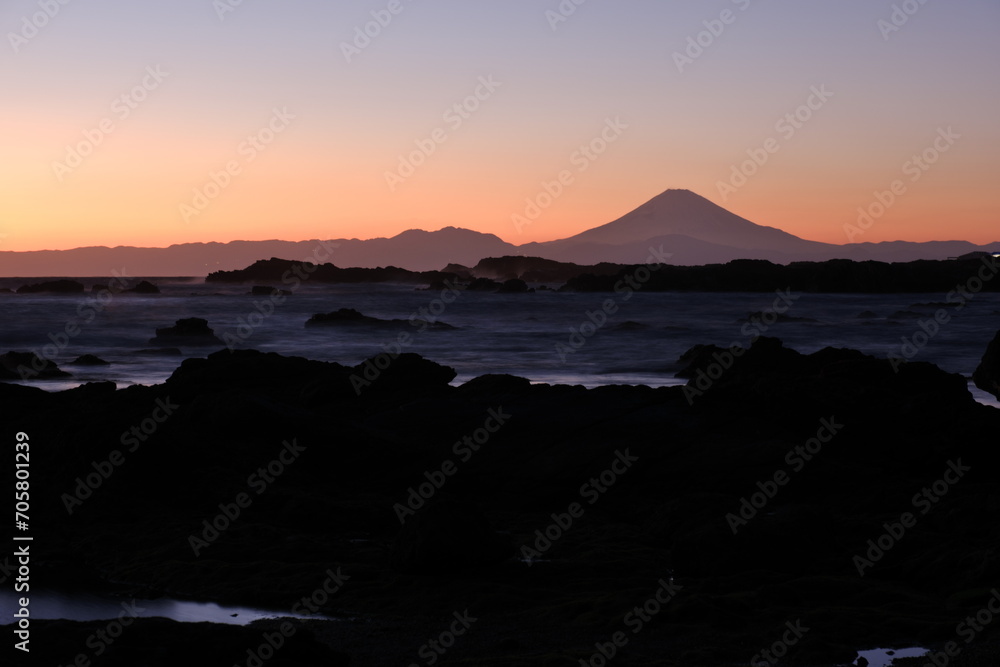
684	213
693	230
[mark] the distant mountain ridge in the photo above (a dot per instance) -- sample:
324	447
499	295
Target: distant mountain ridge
693	229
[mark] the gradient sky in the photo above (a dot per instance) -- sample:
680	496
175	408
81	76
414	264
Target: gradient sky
323	175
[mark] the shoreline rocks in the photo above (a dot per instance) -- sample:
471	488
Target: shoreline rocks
813	454
987	374
191	331
28	366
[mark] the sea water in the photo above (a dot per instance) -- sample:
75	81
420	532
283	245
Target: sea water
553	337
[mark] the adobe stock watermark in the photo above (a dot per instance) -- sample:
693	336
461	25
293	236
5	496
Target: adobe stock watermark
32	25
779	649
753	329
121	108
591	491
925	500
436	647
455	116
596	319
365	34
900	16
698	44
248	150
131	439
796	459
258	481
636	621
967	629
915	167
562	13
274	641
580	161
100	641
223	7
464	449
787	127
293	278
928	329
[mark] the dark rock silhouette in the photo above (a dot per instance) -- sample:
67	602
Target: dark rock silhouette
289	273
530	269
515	286
265	290
350	316
89	360
161	642
188	331
837	276
483	285
407	371
143	287
52	287
28	366
987	374
701	452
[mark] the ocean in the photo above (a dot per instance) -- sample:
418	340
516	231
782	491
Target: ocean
589	339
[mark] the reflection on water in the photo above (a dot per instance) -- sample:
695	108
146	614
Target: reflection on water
81	606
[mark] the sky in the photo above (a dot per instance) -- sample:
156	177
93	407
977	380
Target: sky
151	124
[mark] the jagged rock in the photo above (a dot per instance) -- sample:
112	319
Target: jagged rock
89	360
987	374
515	286
144	287
189	331
496	385
53	287
265	290
290	272
156	642
28	366
483	285
405	371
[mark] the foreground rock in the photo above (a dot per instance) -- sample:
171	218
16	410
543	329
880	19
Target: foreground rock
987	374
189	331
762	490
52	287
158	641
28	366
